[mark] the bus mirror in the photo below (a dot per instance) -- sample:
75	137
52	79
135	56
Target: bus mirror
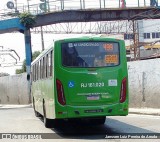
28	77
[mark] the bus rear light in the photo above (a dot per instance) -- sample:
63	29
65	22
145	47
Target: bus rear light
60	92
123	90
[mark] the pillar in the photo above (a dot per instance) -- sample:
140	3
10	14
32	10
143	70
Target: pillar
28	49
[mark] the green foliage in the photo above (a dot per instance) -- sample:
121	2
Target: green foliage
35	55
19	71
27	19
23	69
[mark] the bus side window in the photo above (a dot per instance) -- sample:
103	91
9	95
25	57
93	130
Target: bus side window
47	66
40	62
51	66
37	70
49	63
32	73
43	68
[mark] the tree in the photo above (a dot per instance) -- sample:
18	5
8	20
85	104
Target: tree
35	55
23	69
27	19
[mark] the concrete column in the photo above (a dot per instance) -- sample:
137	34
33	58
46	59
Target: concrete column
28	49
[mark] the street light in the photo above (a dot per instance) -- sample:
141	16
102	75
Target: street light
28	5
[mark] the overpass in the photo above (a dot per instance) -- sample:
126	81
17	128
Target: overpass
81	14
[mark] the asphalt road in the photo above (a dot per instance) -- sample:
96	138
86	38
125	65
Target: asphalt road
22	120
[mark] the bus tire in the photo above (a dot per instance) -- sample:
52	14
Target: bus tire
48	123
37	114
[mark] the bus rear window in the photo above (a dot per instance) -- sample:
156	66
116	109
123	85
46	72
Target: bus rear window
90	54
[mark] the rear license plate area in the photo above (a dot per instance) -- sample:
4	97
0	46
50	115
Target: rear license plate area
94	111
93	97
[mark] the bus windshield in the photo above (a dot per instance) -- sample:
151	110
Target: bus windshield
90	54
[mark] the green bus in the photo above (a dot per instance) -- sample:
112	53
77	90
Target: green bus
80	78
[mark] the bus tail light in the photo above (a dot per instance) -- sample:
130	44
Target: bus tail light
60	92
123	90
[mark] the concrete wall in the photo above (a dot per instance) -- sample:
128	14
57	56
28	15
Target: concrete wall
14	89
144	83
147	53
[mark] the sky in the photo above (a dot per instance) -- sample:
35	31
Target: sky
15	41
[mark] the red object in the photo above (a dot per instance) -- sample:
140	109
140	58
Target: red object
60	92
123	90
123	5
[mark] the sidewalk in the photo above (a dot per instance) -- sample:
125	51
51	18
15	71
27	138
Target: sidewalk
14	106
143	111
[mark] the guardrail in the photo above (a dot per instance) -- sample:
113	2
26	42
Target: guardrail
60	5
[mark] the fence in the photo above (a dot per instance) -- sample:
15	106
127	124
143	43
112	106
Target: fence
37	7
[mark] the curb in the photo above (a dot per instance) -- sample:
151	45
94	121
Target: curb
146	113
14	106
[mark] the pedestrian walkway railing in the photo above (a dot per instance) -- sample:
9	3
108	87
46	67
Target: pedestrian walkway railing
44	6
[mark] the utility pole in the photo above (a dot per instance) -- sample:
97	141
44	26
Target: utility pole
145	3
28	49
136	40
82	4
42	39
28	5
15	5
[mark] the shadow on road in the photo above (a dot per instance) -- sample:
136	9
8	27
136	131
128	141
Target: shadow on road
79	130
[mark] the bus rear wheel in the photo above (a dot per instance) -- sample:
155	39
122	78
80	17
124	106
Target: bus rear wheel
48	123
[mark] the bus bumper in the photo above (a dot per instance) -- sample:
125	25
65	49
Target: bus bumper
120	109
